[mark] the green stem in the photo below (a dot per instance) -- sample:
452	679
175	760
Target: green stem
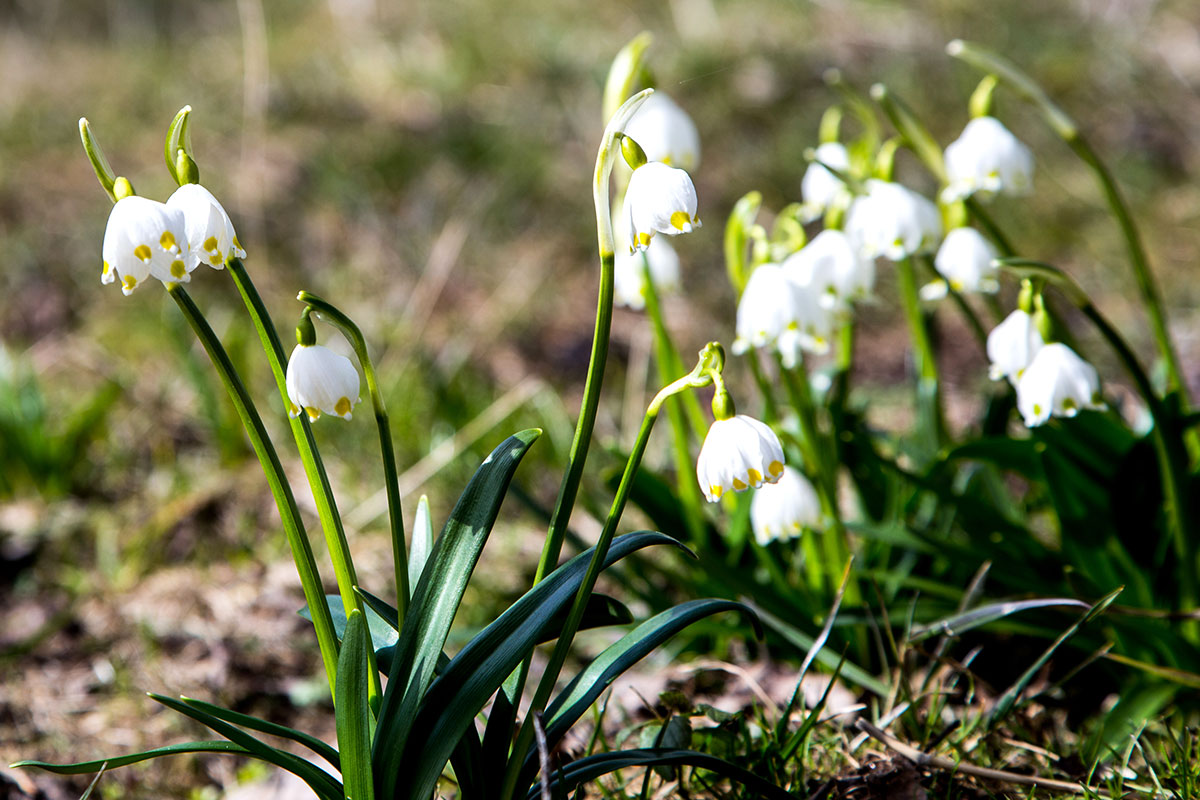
314	469
390	475
770	410
562	645
928	411
293	527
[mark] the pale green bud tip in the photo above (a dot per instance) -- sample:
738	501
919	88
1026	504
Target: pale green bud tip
185	168
1025	297
634	155
954	47
722	405
122	188
982	99
306	334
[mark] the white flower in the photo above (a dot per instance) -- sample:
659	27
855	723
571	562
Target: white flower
319	379
893	221
783	509
1012	345
629	278
819	187
831	265
659	199
665	132
144	238
1057	383
965	263
209	230
987	159
777	310
738	453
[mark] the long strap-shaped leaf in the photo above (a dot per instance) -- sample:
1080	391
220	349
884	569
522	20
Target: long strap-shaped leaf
85	767
435	602
317	779
592	767
272	728
482	665
631	648
352	712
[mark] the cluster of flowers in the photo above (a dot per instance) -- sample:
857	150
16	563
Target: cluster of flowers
145	238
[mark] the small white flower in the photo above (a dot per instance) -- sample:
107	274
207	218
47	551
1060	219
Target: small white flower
965	263
1057	383
209	230
738	453
665	132
987	159
783	509
319	379
629	278
144	238
659	199
819	187
892	221
1012	345
831	265
777	310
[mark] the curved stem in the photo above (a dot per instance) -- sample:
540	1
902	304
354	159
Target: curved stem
333	315
310	457
928	411
293	528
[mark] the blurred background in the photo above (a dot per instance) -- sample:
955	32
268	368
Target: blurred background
427	166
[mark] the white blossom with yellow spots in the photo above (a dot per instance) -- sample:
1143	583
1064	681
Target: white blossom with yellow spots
892	221
665	132
319	380
145	238
831	266
987	159
659	199
782	510
210	232
819	187
1057	383
966	263
1012	345
629	276
779	310
738	453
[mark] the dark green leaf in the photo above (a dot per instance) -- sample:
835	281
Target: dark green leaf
263	726
352	712
383	629
1022	456
435	602
960	623
85	767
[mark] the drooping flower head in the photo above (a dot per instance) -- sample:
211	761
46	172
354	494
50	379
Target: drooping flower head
965	263
210	232
1012	345
783	509
832	267
1057	383
145	238
738	453
987	159
819	187
320	380
629	277
892	221
776	310
665	132
659	199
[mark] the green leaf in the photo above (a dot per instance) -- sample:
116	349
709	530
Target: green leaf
435	602
422	543
592	767
381	626
317	779
960	623
1022	456
263	726
86	767
1013	693
1136	706
353	712
487	660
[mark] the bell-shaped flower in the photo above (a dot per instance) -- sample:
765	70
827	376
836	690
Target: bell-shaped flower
987	159
1057	383
209	231
783	509
965	263
892	221
738	453
832	267
665	132
819	187
320	380
629	277
1012	345
659	199
145	238
778	311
